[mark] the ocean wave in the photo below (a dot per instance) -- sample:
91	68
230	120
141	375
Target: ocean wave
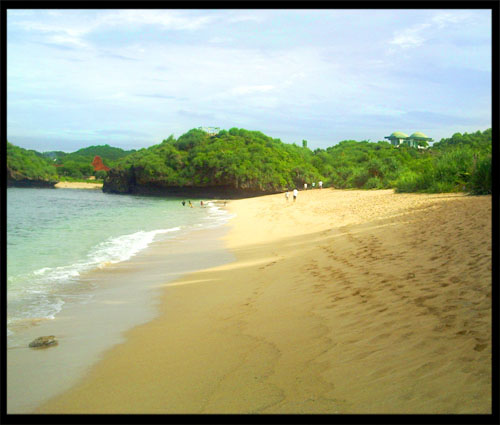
121	248
43	292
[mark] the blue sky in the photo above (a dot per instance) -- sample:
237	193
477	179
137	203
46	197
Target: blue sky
130	77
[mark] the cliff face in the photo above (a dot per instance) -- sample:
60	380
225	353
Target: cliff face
119	181
16	179
125	182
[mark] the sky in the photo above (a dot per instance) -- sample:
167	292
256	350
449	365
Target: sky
130	78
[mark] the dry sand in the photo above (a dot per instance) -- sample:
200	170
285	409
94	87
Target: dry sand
343	302
78	185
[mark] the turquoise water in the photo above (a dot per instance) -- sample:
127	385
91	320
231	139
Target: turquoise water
56	235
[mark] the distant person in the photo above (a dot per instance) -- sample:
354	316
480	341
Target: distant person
190	204
295	192
305	186
201	203
320	184
183	203
287	195
313	184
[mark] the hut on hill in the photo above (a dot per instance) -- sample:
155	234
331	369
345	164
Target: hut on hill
417	140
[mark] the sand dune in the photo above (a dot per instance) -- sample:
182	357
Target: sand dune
342	302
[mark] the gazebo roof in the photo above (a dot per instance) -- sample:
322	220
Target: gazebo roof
399	135
419	135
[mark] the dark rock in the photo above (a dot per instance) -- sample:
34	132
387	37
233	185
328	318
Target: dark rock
15	179
125	182
44	342
118	181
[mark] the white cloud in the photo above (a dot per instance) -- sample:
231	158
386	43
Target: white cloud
410	37
246	18
416	35
443	19
168	19
71	27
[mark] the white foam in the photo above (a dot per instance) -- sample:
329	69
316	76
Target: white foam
121	248
43	292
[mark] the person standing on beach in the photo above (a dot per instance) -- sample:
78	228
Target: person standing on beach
190	204
295	192
183	203
320	184
201	203
313	184
305	186
287	195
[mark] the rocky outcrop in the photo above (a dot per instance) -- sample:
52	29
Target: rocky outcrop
119	181
16	179
125	182
44	342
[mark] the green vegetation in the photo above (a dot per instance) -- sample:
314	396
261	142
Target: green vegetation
244	160
459	163
28	166
235	158
77	166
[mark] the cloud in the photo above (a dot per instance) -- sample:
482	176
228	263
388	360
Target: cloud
246	18
71	27
156	96
443	19
416	35
119	132
252	89
410	37
418	119
167	19
171	70
196	115
118	56
217	40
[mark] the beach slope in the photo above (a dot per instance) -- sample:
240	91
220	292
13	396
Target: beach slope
340	302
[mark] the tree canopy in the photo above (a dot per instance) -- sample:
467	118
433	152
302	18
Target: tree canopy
28	165
244	160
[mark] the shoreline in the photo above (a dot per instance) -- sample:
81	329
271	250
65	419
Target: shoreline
78	185
86	330
394	289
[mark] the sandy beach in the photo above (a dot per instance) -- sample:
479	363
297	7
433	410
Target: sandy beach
340	302
78	185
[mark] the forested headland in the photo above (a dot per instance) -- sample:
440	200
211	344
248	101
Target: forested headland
32	168
239	162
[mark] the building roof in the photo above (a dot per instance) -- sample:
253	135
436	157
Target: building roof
399	135
419	135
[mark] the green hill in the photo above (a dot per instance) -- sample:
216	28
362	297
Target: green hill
28	168
239	162
78	164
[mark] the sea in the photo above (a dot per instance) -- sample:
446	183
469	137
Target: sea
56	236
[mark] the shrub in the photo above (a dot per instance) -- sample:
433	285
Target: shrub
407	182
373	183
480	179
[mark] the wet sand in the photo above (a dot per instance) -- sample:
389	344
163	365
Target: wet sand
107	303
342	302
